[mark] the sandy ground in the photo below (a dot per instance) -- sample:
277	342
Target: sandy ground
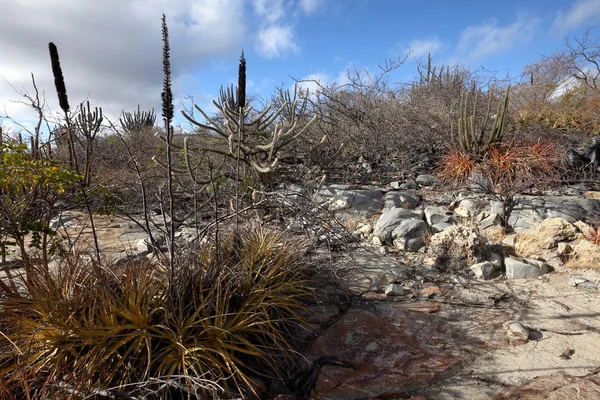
560	317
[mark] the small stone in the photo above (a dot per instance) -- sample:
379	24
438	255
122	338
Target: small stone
566	354
510	240
376	241
394	290
579	281
365	229
425	180
483	270
516	329
564	248
461	280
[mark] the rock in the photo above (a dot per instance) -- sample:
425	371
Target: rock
376	241
389	220
356	201
426	180
579	281
365	229
510	240
491	220
461	280
526	211
438	218
516	329
483	270
62	221
478	182
470	207
408	235
456	246
392	355
524	268
393	290
496	260
402	200
564	249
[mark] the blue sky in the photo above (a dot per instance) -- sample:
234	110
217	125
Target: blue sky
110	50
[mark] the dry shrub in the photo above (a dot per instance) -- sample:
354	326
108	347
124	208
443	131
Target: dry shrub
509	167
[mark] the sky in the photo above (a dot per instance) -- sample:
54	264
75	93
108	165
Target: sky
110	50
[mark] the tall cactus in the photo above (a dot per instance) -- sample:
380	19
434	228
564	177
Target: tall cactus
88	124
477	140
138	120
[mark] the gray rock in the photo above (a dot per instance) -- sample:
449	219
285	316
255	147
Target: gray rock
437	218
510	240
524	268
401	199
426	180
394	290
470	207
564	248
579	281
529	210
408	235
491	220
516	329
496	259
483	270
345	198
389	220
62	221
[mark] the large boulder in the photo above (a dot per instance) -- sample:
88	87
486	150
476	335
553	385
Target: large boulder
526	211
545	235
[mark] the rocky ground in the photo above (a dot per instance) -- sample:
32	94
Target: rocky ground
397	321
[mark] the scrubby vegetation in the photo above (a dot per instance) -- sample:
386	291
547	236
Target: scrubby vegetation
213	316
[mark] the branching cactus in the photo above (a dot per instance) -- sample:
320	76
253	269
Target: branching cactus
254	138
137	120
477	140
88	125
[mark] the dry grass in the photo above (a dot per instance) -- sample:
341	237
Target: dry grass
222	322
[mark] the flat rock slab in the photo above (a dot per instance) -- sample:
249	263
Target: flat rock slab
398	347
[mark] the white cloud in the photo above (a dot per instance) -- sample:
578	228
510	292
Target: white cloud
310	6
110	51
276	41
477	42
271	10
580	13
313	82
422	47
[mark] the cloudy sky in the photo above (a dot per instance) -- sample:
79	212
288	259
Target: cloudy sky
110	50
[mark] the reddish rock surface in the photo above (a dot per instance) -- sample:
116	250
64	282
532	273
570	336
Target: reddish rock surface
400	347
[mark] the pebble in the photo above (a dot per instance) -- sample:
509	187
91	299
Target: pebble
516	329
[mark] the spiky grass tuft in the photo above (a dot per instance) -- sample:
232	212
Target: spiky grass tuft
222	324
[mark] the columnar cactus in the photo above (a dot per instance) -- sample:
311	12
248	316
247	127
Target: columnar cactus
476	140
